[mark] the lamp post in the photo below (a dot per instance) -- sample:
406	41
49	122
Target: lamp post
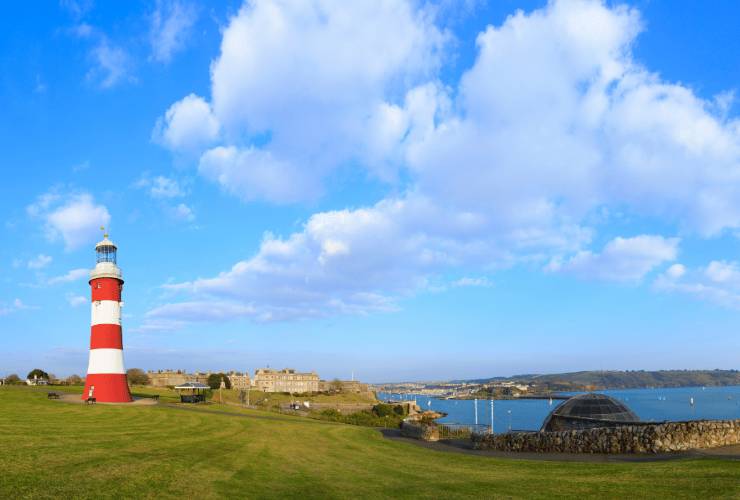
491	416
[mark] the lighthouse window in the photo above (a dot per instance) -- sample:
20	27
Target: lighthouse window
106	253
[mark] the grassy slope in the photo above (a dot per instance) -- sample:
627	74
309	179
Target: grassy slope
52	449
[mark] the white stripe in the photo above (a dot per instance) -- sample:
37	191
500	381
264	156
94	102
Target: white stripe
106	312
106	361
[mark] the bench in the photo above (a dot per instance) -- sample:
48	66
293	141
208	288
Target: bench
155	397
90	401
53	395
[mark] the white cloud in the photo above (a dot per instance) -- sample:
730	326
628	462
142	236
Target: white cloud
182	212
111	65
622	259
39	262
171	24
473	282
74	218
161	187
255	174
350	58
72	275
76	300
723	272
718	282
554	122
355	262
188	126
16	305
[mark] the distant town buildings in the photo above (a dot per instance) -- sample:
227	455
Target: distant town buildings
285	380
239	380
265	380
165	378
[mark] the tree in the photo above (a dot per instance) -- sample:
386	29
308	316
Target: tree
214	380
39	373
137	376
336	385
12	379
74	380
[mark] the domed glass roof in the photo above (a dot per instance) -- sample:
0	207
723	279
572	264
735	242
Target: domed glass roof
578	410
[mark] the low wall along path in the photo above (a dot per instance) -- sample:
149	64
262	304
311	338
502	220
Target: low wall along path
644	438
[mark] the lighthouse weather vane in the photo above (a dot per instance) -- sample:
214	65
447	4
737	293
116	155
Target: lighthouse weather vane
106	376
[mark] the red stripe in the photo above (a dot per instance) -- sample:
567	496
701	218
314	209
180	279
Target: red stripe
109	388
106	289
106	337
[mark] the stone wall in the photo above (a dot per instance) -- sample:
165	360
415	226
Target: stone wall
643	438
417	430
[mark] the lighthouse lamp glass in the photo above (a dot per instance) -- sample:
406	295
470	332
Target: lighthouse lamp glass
106	254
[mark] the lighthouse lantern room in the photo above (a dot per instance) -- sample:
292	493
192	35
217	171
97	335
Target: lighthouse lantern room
106	375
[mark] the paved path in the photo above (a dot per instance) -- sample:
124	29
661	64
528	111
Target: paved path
77	399
463	446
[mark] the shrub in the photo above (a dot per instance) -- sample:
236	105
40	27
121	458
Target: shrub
137	376
383	410
74	380
39	374
214	380
12	379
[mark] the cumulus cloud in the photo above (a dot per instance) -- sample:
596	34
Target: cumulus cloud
70	276
622	259
554	122
170	26
356	262
74	218
255	174
718	282
40	261
350	58
188	126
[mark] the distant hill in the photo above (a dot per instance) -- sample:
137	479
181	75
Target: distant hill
631	379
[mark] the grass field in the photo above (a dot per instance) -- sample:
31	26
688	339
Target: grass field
54	449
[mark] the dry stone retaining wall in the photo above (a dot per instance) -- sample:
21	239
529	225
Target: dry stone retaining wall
643	438
418	430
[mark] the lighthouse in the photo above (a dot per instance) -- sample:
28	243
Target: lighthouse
106	376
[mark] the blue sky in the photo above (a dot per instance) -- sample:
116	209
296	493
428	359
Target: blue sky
400	190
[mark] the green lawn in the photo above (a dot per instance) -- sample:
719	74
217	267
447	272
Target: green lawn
58	450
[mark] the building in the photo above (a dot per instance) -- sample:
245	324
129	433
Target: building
239	380
106	375
587	411
351	386
37	381
285	380
164	378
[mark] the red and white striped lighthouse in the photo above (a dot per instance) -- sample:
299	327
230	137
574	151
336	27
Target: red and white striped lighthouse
106	376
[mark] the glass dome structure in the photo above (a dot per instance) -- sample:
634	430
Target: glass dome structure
587	411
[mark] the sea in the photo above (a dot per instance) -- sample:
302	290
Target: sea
651	405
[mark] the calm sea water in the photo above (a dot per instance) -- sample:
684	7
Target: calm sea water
649	404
